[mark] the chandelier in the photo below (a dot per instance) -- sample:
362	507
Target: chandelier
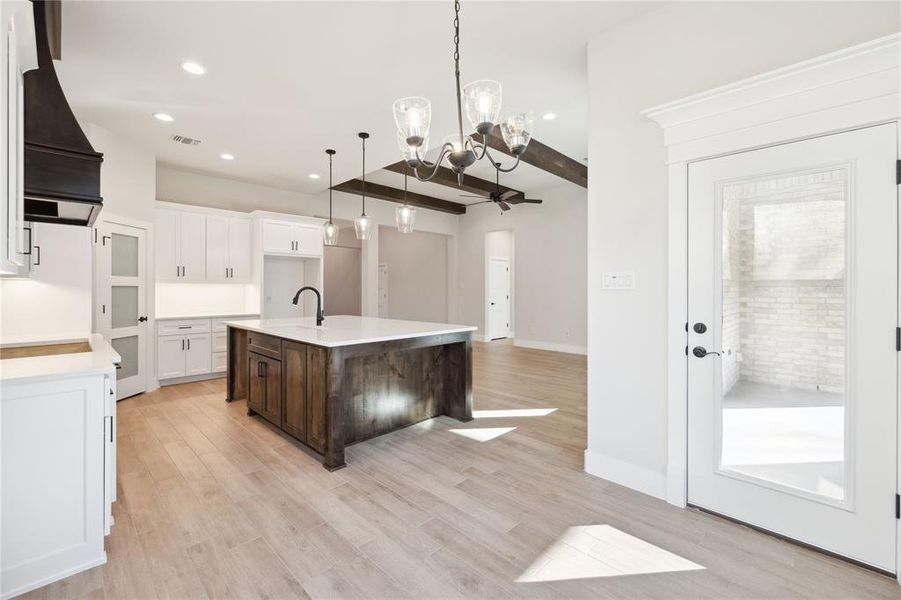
483	105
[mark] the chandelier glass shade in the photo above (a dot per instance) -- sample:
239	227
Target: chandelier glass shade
330	230
482	103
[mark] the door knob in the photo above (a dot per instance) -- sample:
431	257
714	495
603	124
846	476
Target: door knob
142	319
701	352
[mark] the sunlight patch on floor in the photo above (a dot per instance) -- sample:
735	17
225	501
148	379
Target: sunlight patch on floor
483	434
512	412
602	551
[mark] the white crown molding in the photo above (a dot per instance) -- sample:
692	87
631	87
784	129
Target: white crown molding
840	90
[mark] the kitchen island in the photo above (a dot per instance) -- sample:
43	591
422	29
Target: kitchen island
349	379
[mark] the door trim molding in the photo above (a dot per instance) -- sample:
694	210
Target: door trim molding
849	89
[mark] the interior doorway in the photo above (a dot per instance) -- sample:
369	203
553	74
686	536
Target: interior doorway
792	362
499	271
343	275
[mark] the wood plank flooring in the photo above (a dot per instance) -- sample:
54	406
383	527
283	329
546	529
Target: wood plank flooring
215	504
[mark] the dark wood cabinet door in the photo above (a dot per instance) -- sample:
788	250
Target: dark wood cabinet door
272	376
256	388
315	397
294	358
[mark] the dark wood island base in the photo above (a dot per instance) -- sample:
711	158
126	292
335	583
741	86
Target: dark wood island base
331	397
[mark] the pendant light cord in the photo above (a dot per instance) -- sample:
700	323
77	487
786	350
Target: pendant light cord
329	188
457	69
364	176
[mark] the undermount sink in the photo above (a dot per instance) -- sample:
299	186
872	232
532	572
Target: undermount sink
44	350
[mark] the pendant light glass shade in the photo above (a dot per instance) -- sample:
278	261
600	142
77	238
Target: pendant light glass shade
404	217
330	230
363	227
330	234
517	131
413	116
482	102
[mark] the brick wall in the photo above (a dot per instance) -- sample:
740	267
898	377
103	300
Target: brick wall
783	281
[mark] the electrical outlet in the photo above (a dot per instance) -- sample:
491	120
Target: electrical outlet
618	280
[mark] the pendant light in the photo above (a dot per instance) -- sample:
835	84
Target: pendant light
405	215
330	230
363	224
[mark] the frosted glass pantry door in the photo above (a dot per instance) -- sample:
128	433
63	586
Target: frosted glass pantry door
792	367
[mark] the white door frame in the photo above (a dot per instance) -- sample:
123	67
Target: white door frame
151	382
848	89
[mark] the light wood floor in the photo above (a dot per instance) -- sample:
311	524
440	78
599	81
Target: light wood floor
214	504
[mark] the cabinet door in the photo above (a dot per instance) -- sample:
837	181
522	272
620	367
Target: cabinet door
198	354
272	373
308	240
217	248
278	237
192	246
238	250
166	232
170	357
256	384
315	397
295	411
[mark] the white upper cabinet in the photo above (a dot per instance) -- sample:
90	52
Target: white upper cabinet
227	249
180	246
18	54
287	237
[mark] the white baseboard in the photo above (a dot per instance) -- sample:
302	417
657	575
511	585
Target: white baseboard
641	479
192	378
553	347
478	337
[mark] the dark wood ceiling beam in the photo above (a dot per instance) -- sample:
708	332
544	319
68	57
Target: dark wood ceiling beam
384	192
543	157
471	184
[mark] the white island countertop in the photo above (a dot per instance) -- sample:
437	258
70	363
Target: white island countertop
101	359
345	330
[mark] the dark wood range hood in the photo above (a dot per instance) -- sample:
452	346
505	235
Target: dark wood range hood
61	168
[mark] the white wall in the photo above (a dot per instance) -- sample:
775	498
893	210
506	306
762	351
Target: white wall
549	267
417	274
55	303
127	176
677	50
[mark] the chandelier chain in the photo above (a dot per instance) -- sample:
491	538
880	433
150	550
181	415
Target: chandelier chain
329	188
457	69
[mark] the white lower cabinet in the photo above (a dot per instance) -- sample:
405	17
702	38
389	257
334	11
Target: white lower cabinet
183	355
57	448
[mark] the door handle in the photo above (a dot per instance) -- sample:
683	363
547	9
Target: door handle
701	352
141	319
492	304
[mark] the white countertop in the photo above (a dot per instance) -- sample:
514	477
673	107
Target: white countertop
206	316
101	359
345	330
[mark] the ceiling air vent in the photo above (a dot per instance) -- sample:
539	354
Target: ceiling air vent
184	140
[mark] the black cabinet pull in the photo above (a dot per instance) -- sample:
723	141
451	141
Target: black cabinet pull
189	343
265	368
183	343
38	260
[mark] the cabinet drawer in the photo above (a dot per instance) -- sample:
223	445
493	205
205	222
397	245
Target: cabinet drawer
220	342
183	327
220	362
264	344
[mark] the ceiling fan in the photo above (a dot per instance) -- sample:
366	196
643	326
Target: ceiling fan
502	199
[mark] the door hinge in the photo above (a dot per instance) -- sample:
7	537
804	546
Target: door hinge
897	506
898	339
686	350
898	172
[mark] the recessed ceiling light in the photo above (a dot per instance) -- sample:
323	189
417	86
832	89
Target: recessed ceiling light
549	116
227	156
166	117
194	68
313	175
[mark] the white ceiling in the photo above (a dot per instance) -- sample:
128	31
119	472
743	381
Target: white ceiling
286	80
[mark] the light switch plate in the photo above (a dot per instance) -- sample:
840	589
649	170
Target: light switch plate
618	280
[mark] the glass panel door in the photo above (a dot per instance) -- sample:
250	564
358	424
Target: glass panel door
782	415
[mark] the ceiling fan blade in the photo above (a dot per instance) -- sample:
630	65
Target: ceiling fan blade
472	196
532	200
504	206
482	202
509	194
